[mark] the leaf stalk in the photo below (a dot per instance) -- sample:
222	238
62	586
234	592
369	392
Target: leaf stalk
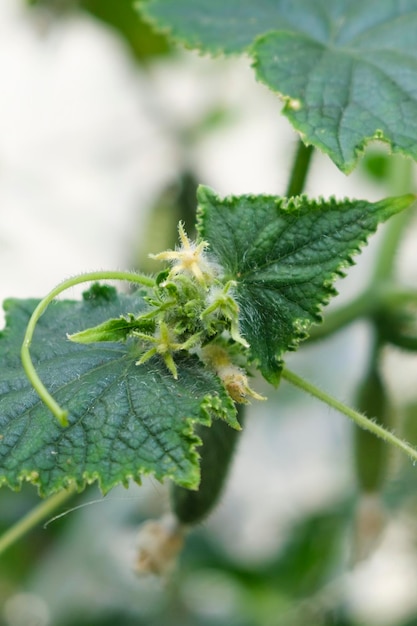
361	420
300	169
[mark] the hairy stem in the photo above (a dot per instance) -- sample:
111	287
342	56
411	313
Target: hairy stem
45	396
34	517
299	169
359	419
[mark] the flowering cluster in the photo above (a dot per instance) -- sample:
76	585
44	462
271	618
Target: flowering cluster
194	310
191	309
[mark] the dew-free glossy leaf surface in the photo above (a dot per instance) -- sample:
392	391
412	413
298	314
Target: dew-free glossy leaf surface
347	69
285	256
125	420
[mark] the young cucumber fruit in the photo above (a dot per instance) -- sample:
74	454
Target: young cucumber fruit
219	444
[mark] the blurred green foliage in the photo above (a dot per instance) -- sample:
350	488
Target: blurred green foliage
142	41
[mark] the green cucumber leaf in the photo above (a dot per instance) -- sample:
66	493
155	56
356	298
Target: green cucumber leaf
347	69
285	256
125	420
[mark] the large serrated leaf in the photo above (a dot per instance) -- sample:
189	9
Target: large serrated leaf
347	68
284	256
125	420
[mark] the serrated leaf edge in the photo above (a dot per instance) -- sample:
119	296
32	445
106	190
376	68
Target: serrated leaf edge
212	407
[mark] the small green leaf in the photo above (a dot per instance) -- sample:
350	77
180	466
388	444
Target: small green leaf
347	69
125	420
285	256
112	330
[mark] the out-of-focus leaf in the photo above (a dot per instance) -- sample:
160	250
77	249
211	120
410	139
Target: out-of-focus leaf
347	69
119	15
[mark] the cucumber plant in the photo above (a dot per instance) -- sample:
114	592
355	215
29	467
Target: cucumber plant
120	385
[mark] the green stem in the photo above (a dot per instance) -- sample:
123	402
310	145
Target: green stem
341	317
365	305
399	181
45	396
34	517
358	418
394	233
300	169
400	176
